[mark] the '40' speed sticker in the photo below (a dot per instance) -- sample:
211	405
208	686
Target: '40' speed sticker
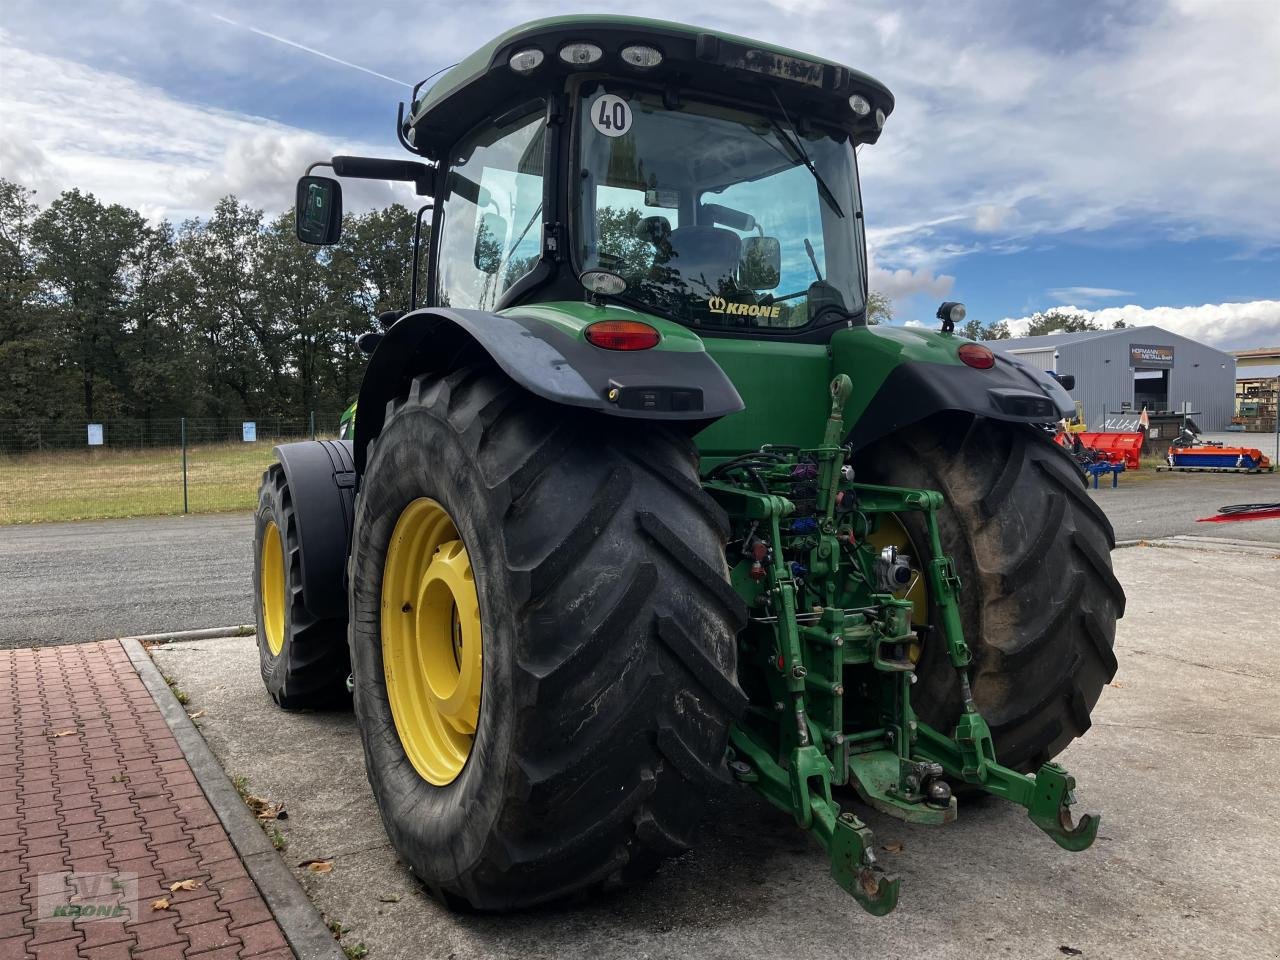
611	115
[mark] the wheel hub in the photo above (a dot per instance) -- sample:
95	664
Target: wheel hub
271	587
431	641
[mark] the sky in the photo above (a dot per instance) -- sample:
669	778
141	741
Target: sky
1117	157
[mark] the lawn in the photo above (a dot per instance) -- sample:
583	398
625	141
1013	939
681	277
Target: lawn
80	485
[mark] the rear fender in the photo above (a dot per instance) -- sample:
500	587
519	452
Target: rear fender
321	477
541	348
902	376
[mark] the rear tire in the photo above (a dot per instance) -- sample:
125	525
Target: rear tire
608	633
303	658
1039	601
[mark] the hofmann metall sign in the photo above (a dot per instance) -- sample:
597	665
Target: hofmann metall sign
1150	355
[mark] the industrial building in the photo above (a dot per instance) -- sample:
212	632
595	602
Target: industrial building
1119	372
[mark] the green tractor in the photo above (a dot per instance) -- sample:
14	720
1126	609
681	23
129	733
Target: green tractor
638	506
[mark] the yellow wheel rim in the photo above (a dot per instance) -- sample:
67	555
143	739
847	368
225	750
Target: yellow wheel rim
431	641
271	587
890	532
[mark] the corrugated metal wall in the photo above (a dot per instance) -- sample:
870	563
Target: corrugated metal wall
1040	359
1201	375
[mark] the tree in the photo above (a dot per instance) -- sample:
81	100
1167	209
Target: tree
28	366
1059	321
235	359
879	308
82	249
975	330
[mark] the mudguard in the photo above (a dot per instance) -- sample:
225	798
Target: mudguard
1011	390
540	347
321	476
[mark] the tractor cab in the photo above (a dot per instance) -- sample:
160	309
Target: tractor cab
694	176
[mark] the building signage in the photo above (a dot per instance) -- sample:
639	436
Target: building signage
1150	355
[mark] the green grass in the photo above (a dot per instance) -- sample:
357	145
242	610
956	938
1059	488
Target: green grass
98	484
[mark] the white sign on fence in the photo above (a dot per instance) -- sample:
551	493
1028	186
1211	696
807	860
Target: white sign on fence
95	434
249	429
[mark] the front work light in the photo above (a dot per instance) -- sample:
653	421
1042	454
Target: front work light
860	105
641	56
622	335
580	54
525	61
603	282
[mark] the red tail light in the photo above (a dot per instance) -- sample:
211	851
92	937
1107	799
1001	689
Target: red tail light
977	356
622	335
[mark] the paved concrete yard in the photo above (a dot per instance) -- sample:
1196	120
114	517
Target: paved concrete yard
1183	761
1147	505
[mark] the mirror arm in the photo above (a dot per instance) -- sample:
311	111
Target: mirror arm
417	239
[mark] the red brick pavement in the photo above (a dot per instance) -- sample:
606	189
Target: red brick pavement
112	795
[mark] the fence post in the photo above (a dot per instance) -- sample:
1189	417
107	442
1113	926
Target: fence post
313	424
183	428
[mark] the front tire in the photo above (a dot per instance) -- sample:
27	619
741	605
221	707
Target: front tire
303	657
1039	601
608	634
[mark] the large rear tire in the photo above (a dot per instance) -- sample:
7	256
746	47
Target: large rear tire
608	633
1039	601
303	657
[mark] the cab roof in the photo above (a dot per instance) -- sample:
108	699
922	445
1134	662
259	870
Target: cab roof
707	61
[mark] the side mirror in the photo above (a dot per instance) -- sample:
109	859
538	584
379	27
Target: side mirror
1067	380
318	210
489	240
761	266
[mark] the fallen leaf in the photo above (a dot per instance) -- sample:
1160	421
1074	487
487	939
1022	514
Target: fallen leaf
183	885
161	904
389	898
893	846
1070	951
197	715
270	811
64	733
317	865
263	808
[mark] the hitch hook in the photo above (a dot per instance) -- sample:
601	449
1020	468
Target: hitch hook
1050	810
854	867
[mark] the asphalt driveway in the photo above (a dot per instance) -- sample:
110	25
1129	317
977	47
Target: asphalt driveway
96	579
91	580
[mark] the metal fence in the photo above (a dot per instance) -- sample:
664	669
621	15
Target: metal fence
51	471
39	436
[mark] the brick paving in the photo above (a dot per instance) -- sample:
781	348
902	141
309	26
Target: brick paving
92	781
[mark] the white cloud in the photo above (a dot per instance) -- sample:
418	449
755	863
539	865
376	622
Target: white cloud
1049	118
1088	294
992	217
1228	326
136	145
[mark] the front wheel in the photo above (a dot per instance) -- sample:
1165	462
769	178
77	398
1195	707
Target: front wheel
543	641
1038	602
303	657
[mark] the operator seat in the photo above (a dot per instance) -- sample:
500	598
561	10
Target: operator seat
708	254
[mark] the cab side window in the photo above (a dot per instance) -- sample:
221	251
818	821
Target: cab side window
490	232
